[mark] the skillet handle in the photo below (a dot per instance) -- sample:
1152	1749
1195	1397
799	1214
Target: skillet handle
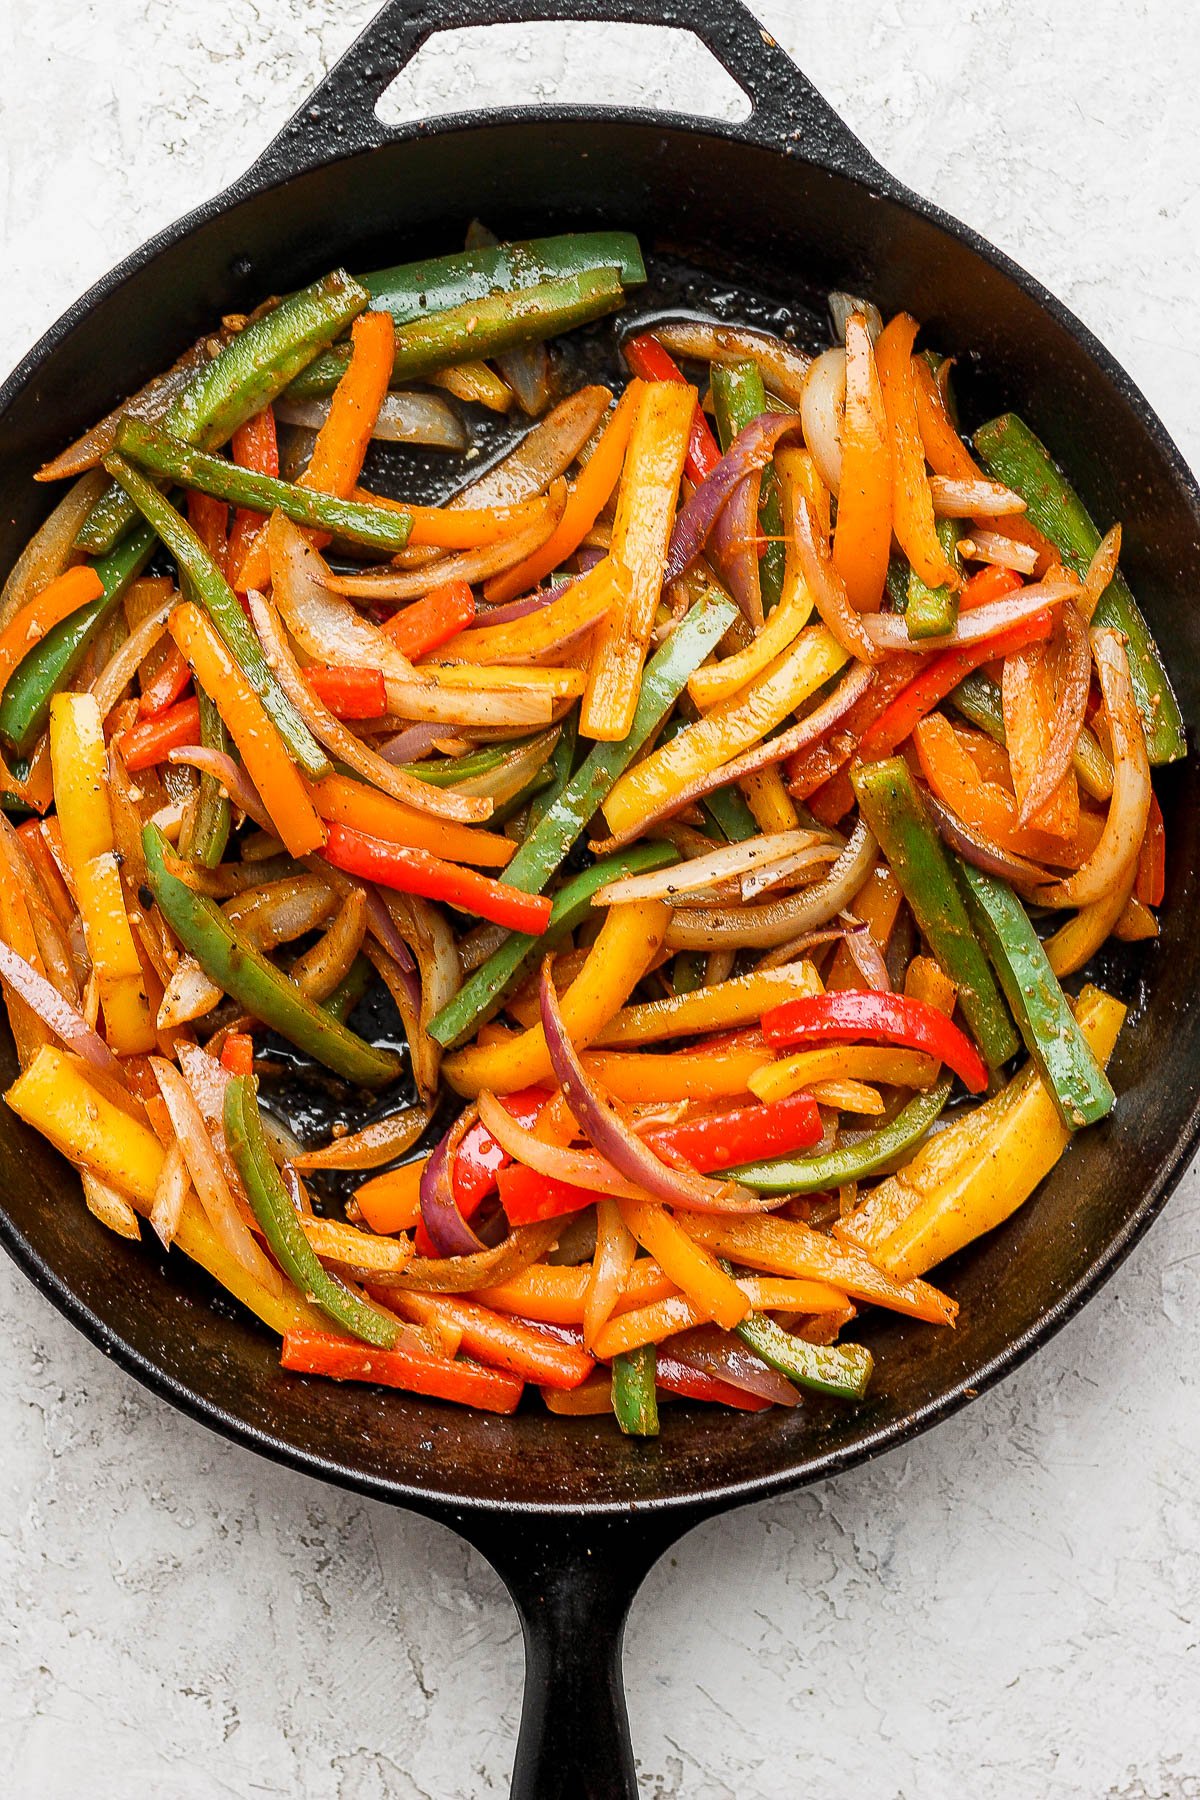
572	1581
339	117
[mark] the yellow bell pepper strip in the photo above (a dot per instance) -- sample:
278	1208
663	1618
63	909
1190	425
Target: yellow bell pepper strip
1013	455
697	1274
843	1062
251	369
862	538
912	501
57	1099
892	808
731	727
634	1400
1076	942
272	1206
1016	1140
769	800
786	1247
923	980
886	1018
842	1370
475	383
1080	1088
339	800
262	750
592	490
740	1001
641	1077
80	765
582	604
412	871
849	1162
646	502
849	1096
629	940
209	587
260	989
343	441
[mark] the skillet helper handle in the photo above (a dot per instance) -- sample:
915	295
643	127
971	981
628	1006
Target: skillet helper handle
572	1581
339	117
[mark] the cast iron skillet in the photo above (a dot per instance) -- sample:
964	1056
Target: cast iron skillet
570	1514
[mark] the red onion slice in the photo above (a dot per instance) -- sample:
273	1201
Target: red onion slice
1004	864
735	540
63	1019
750	450
231	775
711	1351
889	631
448	1230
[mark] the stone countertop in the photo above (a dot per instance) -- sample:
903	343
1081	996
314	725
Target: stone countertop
1004	1609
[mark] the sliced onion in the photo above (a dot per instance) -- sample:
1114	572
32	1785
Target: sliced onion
1101	570
404	418
716	1353
822	406
888	631
749	452
1002	552
866	955
405	989
521	609
517	770
542	455
762	879
843	307
683	879
427	930
735	544
343	744
414	743
472	566
190	994
318	971
231	775
64	1020
487	1268
1069	658
615	1140
170	1192
763	927
848	625
783	367
322	623
954	499
1025	876
112	1209
1107	869
121	668
51	547
448	1230
382	1141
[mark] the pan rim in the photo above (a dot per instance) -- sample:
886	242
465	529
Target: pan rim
697	1502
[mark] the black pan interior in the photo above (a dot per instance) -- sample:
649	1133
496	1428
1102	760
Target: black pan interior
729	219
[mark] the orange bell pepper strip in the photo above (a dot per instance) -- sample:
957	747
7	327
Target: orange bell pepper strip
254	446
392	1201
1031	695
592	490
454	527
32	834
558	1295
925	980
986	803
912	502
862	539
412	871
665	1318
700	1276
262	750
429	623
650	362
409	1367
57	601
343	440
1150	883
542	633
656	1080
237	1053
349	693
209	519
501	1341
342	801
646	503
152	740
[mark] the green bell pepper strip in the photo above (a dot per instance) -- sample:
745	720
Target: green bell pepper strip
257	986
25	707
663	681
484	992
448	771
842	1370
978	699
635	1402
205	583
355	521
1012	454
1078	1085
479	328
849	1162
739	397
559	766
212	815
349	990
249	372
272	1207
893	810
930	612
438	283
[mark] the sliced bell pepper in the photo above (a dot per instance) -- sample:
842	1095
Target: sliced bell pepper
704	1074
151	740
414	871
646	503
503	1342
207	827
808	770
697	1274
850	1162
209	519
877	906
892	808
648	360
886	1018
237	1053
634	1402
62	597
933	611
341	800
407	1367
739	397
557	1294
349	693
843	1370
425	626
844	1062
722	1140
528	1196
912	502
739	1001
254	445
581	605
433	284
951	761
862	538
55	1096
1151	881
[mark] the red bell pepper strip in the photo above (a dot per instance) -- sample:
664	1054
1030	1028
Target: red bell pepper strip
647	358
419	872
528	1196
150	740
691	1384
1151	880
167	684
237	1053
349	693
808	769
501	1341
420	629
343	1359
480	1160
256	447
940	678
745	1134
888	1018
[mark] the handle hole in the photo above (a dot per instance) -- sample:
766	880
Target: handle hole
563	62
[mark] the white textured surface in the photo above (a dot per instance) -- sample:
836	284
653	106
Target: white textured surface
1005	1610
